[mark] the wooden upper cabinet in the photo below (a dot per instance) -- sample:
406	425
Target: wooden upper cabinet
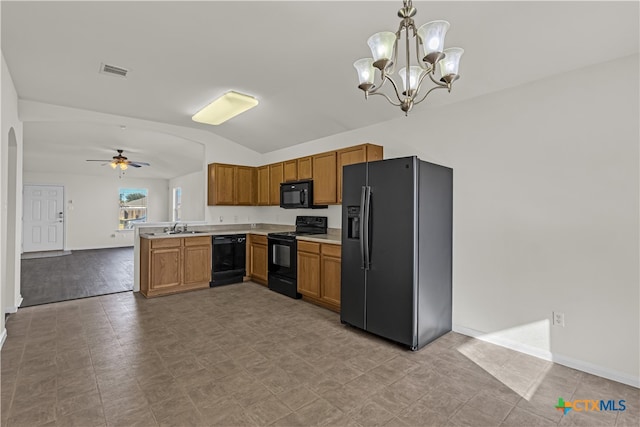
249	186
305	168
357	154
231	185
276	176
245	185
220	188
290	170
324	178
263	185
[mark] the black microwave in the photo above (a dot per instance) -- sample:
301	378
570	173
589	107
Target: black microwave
297	195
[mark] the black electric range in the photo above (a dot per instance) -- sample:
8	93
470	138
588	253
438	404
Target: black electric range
283	272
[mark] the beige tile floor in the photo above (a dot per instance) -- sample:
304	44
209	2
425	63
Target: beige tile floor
243	355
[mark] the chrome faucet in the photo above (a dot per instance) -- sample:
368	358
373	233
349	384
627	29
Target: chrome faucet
175	226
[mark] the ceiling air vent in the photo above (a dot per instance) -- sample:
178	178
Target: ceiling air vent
113	70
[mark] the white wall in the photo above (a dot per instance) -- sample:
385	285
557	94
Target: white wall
193	190
11	194
546	195
91	207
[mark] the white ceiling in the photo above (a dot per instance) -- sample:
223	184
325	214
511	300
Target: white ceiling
294	56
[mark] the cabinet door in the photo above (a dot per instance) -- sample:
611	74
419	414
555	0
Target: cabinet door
220	190
309	274
330	285
358	154
166	267
258	260
263	185
324	178
197	265
290	170
276	176
305	168
245	179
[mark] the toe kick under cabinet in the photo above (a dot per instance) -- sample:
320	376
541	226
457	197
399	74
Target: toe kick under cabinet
174	264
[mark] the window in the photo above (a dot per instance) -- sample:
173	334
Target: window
177	204
133	207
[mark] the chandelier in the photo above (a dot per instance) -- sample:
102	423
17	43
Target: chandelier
429	44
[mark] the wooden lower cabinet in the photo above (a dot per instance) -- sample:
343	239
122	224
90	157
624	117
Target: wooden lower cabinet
330	271
309	269
175	264
319	267
257	267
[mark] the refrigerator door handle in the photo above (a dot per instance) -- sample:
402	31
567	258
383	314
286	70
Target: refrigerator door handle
363	199
365	225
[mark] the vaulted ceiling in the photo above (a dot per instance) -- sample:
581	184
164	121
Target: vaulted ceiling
294	56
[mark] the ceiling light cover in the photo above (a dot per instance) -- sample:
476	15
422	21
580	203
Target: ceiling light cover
224	108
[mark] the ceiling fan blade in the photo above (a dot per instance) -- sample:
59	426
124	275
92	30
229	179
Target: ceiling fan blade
138	164
99	160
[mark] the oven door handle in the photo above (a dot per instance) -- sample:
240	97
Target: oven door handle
302	196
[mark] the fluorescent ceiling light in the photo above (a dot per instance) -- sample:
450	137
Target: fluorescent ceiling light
222	109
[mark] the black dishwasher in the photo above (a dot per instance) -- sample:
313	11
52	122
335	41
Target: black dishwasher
228	259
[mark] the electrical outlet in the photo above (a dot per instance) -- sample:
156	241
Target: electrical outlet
221	218
558	319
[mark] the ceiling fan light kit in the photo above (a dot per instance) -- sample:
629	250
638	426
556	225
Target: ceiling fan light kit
429	52
121	162
224	108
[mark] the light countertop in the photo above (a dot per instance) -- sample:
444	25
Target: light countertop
333	237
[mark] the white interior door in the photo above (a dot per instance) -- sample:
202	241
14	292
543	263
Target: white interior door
43	218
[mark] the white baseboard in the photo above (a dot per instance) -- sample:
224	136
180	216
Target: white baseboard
3	337
570	362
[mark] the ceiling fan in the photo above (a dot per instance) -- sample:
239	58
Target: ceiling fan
121	161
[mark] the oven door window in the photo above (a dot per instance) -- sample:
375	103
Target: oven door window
281	255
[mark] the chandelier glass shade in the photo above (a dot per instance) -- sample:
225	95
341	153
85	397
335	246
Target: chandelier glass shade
429	52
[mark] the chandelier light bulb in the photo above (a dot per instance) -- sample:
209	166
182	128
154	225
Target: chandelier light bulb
123	166
381	45
432	36
414	78
113	165
366	73
451	63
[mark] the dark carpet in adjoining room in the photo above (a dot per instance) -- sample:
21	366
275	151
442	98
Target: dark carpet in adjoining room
82	274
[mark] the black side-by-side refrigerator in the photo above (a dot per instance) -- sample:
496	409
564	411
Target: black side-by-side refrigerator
397	249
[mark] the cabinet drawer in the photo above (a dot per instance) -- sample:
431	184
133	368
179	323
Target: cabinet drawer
197	241
172	242
332	250
259	239
308	247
